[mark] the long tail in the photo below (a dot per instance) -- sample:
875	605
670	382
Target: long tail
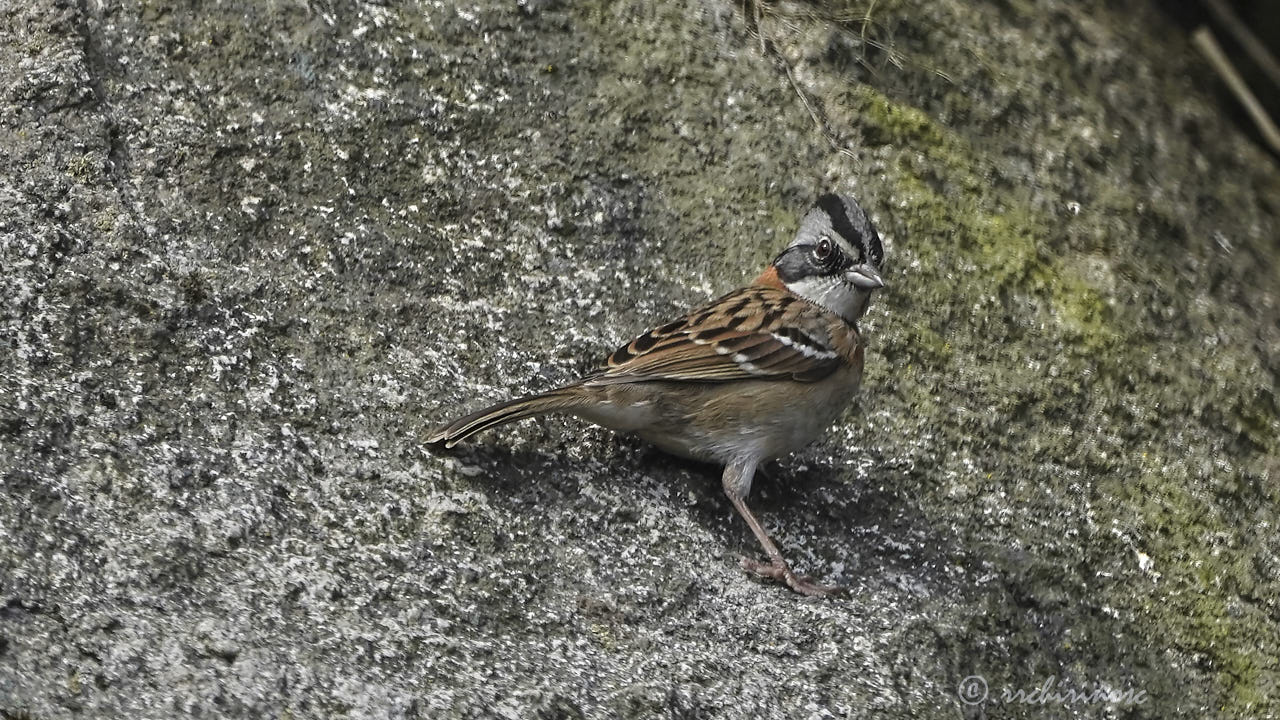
505	412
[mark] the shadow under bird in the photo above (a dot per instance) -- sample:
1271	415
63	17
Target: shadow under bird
753	376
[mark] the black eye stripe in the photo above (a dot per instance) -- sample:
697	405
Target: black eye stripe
800	261
835	209
833	258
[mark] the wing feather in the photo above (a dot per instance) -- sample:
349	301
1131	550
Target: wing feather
757	333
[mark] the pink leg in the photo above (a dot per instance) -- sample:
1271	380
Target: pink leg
737	483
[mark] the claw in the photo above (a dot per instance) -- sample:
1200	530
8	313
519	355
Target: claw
802	584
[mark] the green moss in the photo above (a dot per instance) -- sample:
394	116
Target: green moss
104	221
995	289
933	348
85	167
603	634
937	153
1185	532
940	196
1008	250
1260	424
1003	247
1083	312
884	122
919	207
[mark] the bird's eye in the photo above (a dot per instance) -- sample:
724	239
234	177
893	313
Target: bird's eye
822	250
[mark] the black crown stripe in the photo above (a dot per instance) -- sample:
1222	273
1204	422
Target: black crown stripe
835	209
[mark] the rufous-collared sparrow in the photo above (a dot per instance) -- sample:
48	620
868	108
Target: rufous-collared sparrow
753	376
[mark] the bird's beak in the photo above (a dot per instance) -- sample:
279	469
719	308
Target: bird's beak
864	277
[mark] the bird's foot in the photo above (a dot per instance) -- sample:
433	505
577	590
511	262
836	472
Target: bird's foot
779	571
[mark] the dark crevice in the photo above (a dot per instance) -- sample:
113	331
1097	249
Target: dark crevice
14	606
97	67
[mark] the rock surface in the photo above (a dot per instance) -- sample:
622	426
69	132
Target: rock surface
253	251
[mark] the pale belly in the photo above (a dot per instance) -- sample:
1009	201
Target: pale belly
722	422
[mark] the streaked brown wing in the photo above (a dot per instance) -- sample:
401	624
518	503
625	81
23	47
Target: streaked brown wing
757	333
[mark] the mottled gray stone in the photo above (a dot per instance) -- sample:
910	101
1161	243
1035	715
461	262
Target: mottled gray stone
252	251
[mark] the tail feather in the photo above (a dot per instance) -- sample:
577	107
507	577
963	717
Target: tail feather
503	413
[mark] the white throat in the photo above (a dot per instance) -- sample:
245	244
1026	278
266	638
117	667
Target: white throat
832	293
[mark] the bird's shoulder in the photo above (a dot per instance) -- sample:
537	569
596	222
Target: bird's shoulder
756	332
